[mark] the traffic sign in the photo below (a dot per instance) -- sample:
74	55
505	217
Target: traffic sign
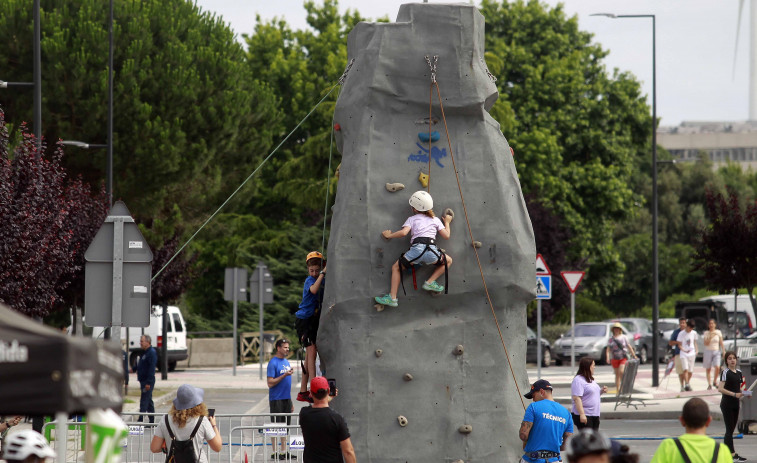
572	279
117	273
541	266
543	287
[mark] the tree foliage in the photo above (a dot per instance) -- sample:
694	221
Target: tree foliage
727	252
46	221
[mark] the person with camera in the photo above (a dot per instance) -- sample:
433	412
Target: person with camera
326	436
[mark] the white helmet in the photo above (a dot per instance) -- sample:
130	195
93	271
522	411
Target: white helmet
19	445
421	201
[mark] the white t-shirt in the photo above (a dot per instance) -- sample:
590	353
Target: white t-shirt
204	433
422	225
688	342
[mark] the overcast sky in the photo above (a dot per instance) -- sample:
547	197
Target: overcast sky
695	45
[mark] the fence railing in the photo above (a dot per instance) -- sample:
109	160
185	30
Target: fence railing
246	439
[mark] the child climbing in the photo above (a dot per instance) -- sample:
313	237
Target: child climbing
308	316
422	226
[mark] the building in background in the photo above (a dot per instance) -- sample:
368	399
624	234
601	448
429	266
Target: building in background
722	141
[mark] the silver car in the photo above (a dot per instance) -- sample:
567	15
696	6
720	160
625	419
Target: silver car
591	341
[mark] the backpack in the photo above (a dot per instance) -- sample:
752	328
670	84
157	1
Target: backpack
182	451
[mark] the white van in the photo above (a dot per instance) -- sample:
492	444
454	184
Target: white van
176	333
743	304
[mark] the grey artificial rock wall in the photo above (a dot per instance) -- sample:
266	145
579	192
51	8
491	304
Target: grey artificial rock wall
381	110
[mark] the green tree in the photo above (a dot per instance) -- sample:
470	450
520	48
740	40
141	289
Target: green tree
190	121
576	131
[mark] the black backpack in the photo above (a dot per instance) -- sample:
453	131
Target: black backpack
182	451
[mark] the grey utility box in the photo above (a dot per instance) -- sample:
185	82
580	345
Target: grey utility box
748	367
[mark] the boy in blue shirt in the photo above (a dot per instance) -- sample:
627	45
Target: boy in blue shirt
308	316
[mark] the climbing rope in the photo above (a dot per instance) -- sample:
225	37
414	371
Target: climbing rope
432	68
328	172
434	83
339	82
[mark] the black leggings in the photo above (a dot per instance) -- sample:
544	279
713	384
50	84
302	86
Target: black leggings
592	422
730	419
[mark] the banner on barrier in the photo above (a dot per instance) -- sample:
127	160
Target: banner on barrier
296	443
275	429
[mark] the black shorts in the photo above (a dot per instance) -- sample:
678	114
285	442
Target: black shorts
307	330
281	406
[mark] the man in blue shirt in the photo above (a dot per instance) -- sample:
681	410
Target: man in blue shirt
146	376
279	376
546	426
677	352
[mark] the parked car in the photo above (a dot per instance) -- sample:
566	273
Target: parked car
546	349
641	330
591	341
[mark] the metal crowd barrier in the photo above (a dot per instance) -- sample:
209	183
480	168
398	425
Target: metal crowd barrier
246	439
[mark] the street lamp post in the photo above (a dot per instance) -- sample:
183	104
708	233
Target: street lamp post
655	253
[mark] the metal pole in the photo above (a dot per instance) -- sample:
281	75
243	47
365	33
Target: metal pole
735	321
234	341
538	339
109	182
655	251
261	271
164	344
572	330
37	78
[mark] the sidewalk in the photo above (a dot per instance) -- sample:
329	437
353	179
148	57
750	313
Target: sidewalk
663	402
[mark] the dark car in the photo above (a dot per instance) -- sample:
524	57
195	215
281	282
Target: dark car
546	349
641	331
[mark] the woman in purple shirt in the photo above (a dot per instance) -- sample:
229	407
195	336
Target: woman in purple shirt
585	394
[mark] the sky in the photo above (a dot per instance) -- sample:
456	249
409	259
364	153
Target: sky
695	42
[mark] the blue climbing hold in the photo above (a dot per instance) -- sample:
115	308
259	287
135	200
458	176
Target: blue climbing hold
424	136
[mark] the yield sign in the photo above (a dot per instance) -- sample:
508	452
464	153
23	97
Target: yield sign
572	279
541	266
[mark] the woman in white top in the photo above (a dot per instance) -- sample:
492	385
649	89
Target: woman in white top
188	407
713	349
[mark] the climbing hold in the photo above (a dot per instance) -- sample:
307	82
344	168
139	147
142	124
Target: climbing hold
402	421
423	177
458	350
394	187
449	212
407	377
512	152
424	136
337	127
336	174
424	121
379	352
458	461
465	429
378	307
476	244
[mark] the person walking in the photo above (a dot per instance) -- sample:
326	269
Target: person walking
326	436
585	395
188	419
731	380
687	342
545	427
694	446
279	379
713	351
146	376
677	352
619	349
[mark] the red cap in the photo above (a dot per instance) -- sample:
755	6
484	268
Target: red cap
318	383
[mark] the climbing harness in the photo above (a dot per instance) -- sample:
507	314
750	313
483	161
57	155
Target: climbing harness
270	155
434	84
441	258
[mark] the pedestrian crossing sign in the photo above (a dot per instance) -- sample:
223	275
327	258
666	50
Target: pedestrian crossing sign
543	287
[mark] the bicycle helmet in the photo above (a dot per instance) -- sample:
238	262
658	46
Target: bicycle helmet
313	255
421	201
587	441
20	445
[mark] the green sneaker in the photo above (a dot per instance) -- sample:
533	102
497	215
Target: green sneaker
386	300
433	286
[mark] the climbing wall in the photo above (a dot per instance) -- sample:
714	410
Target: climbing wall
428	380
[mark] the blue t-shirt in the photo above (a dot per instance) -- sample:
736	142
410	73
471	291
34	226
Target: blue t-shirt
276	368
551	420
309	300
674	337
